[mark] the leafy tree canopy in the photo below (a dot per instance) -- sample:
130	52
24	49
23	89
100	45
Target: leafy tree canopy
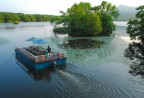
107	13
16	17
135	27
106	8
84	20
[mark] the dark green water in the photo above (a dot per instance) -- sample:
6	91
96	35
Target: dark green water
90	72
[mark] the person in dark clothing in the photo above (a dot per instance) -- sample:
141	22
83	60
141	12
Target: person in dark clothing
49	52
49	49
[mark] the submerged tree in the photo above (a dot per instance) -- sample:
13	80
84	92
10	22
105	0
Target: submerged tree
135	27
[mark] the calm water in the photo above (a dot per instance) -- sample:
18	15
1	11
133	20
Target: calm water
90	72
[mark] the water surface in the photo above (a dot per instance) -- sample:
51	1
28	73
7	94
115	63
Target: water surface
93	70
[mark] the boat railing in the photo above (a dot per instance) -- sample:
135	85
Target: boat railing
26	53
54	55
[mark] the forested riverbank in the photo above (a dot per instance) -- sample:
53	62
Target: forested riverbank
9	17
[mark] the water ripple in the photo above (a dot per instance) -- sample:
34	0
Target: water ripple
82	86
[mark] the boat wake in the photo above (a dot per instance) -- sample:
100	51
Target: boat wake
83	86
69	76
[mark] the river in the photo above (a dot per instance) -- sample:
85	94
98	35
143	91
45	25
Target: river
91	71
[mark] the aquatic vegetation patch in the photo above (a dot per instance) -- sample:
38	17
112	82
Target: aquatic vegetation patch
82	44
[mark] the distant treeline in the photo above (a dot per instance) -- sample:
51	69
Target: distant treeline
8	17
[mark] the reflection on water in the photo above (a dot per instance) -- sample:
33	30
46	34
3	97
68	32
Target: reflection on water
35	74
135	52
43	74
23	25
81	44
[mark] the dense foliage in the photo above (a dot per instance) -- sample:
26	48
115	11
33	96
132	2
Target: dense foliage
7	17
61	30
135	27
108	13
84	20
135	52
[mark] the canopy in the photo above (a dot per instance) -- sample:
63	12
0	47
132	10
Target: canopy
40	41
32	39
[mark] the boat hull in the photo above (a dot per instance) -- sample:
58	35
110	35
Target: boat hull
41	65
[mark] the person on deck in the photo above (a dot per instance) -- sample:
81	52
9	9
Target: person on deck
49	52
49	49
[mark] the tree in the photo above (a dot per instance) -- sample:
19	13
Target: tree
107	24
83	20
135	27
7	18
16	17
31	18
107	13
80	21
90	25
10	17
135	52
1	18
38	18
106	8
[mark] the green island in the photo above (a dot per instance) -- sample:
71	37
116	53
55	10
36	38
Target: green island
82	20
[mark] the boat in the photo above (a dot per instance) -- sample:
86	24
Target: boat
38	58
